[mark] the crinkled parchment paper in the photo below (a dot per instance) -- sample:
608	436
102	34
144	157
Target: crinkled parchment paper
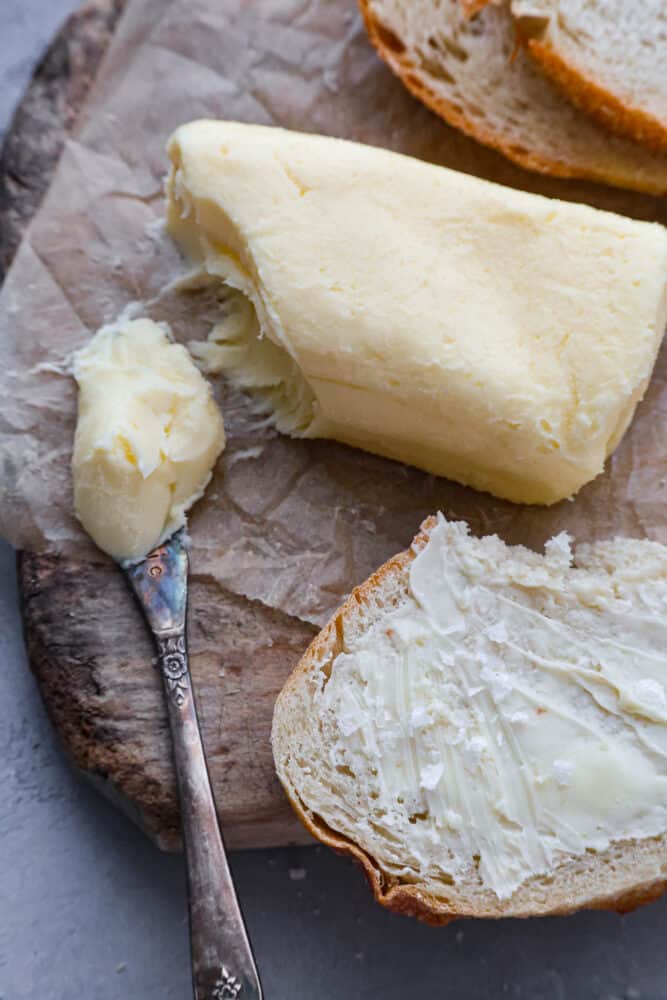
294	524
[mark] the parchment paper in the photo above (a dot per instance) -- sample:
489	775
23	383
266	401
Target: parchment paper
293	524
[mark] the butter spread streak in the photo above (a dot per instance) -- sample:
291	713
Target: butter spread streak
514	715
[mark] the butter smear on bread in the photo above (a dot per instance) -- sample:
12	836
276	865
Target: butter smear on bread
486	727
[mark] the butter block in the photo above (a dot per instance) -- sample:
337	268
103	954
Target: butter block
492	336
147	437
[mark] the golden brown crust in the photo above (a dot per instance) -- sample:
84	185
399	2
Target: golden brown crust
411	900
472	7
392	50
626	902
598	102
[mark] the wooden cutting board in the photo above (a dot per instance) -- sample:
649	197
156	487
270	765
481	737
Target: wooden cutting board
86	641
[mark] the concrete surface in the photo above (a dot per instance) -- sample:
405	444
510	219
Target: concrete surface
89	910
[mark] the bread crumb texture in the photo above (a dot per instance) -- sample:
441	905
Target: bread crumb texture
475	72
485	727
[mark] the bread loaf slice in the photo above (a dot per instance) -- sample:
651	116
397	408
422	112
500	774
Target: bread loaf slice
484	728
471	71
608	57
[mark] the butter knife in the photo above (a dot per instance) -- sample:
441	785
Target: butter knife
223	967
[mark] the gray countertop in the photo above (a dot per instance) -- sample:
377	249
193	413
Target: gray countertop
90	909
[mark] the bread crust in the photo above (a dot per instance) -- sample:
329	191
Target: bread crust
392	50
592	97
412	900
472	7
587	93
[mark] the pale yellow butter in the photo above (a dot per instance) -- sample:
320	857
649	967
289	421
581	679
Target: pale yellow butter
485	334
147	437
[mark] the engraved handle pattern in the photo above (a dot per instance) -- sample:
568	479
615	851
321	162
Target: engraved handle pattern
227	987
223	967
174	665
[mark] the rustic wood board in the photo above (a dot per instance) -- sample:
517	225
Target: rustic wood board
86	641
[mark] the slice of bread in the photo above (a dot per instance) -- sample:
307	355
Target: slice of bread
471	71
485	728
609	57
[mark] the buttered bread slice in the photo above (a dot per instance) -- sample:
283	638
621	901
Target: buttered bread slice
485	728
495	337
465	61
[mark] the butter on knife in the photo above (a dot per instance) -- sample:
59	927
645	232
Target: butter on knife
148	435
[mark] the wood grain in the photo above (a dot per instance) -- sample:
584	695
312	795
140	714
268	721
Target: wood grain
94	662
87	644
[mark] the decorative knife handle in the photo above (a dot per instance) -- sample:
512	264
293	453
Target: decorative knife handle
223	967
222	963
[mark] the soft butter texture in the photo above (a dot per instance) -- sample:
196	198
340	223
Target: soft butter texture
147	437
508	714
491	336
